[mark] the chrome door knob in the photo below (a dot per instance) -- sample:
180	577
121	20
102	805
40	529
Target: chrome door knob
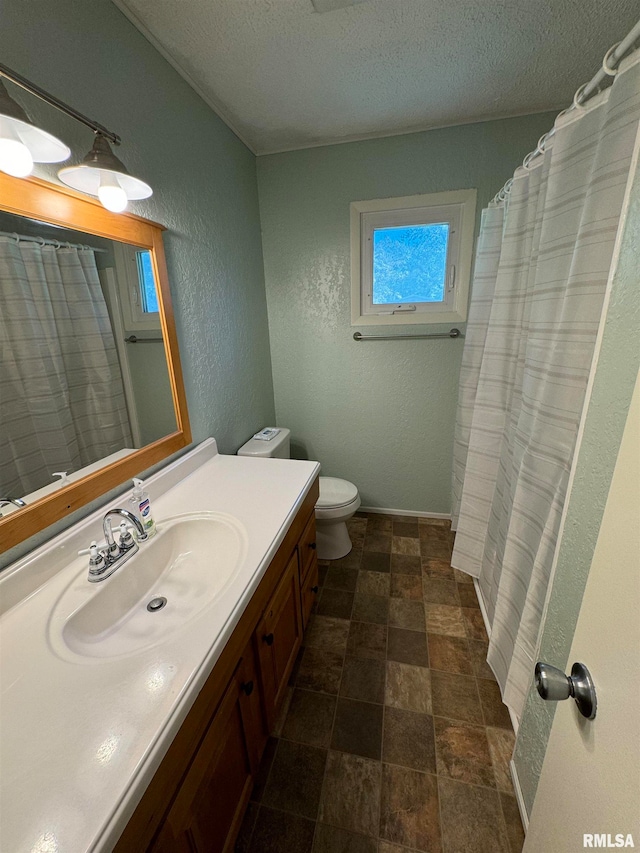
554	686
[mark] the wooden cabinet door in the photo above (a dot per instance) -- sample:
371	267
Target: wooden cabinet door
309	591
253	721
278	639
206	814
307	550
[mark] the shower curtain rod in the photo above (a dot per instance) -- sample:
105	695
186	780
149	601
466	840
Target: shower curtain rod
609	69
43	241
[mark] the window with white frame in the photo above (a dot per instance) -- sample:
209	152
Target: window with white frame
411	258
138	295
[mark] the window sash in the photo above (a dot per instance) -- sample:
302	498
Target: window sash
430	215
406	210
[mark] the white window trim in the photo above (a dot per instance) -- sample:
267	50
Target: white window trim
455	309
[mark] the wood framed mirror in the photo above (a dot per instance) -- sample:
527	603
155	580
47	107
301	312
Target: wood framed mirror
28	253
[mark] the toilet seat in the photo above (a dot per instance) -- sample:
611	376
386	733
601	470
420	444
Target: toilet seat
338	500
336	493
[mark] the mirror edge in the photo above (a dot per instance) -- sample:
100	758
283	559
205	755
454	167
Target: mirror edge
49	202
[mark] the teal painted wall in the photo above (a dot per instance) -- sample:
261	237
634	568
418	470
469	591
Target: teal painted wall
379	414
613	386
204	178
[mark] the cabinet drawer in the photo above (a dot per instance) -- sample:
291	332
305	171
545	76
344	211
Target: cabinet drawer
309	591
307	547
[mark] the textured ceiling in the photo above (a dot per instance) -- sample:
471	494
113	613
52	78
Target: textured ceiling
284	76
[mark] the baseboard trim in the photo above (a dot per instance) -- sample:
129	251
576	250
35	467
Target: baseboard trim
483	609
407	512
524	817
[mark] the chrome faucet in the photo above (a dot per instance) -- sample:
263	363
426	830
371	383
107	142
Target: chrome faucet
14	501
104	560
126	539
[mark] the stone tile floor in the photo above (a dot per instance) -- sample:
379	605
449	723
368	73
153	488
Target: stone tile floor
393	737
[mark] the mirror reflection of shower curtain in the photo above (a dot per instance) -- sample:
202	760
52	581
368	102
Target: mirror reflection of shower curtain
62	403
541	275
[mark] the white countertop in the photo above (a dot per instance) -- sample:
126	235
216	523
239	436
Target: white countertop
80	738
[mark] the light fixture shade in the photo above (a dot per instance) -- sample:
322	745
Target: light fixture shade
43	147
100	164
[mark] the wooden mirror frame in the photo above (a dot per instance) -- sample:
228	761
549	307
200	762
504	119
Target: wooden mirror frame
38	199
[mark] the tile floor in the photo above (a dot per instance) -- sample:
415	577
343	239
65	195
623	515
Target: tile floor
393	737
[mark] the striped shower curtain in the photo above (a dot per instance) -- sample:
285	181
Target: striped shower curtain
62	403
541	272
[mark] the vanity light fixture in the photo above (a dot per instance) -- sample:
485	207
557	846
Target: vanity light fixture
22	143
99	174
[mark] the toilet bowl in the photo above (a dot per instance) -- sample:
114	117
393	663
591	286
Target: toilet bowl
338	501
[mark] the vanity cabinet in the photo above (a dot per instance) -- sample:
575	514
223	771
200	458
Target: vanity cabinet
196	799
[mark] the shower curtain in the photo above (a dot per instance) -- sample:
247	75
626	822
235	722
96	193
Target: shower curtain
542	267
62	403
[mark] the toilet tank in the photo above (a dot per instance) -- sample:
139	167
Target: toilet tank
276	448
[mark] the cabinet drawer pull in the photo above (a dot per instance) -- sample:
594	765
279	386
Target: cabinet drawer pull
247	687
268	639
315	588
313	546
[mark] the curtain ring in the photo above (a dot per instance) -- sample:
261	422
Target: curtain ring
542	143
16	237
605	62
40	240
576	98
527	160
508	185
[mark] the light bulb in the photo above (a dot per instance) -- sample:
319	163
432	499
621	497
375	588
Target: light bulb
15	158
111	194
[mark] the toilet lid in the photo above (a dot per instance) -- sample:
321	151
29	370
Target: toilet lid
335	492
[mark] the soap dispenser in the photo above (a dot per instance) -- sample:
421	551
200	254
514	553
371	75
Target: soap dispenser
142	507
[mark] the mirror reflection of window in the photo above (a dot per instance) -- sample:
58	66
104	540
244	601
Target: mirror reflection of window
147	284
136	283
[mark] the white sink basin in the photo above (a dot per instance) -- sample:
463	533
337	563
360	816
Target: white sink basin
190	562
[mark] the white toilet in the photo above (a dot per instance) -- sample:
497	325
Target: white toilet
338	501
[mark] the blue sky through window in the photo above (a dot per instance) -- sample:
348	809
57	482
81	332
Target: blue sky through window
147	283
409	263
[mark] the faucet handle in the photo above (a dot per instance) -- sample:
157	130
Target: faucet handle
126	539
110	542
97	563
101	547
